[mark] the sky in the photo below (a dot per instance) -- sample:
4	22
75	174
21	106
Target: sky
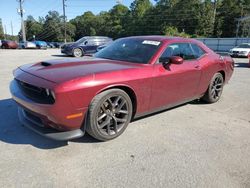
36	8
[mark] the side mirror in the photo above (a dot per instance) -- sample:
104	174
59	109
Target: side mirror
172	60
176	60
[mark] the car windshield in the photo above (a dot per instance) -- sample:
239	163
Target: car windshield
244	46
130	50
81	40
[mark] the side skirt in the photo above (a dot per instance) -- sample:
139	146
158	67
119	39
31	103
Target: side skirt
166	107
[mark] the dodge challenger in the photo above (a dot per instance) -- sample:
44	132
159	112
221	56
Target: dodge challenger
132	77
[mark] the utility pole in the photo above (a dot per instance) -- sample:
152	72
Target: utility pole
5	32
21	12
64	21
11	28
214	14
239	21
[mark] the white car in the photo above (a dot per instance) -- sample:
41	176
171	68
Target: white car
243	50
0	43
27	45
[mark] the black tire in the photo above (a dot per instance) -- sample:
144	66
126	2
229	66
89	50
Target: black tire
215	89
77	52
109	114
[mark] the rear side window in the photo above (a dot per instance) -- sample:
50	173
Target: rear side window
198	52
97	41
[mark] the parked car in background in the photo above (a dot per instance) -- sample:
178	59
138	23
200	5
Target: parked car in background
0	43
50	45
243	50
40	44
57	44
8	44
85	45
132	77
26	45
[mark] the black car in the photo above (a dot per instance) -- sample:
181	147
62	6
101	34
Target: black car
85	45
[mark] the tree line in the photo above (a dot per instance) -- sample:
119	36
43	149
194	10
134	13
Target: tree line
188	18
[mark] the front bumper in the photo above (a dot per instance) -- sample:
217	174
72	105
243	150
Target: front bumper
42	47
238	55
47	120
47	132
66	51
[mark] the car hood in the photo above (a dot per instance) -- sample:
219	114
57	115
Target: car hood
59	71
241	49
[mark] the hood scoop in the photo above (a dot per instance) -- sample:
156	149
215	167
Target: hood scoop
45	64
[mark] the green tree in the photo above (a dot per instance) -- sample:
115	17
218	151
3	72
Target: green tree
227	13
117	21
33	28
1	30
140	11
205	24
52	27
173	31
85	25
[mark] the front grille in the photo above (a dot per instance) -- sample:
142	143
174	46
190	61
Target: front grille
37	94
236	52
33	118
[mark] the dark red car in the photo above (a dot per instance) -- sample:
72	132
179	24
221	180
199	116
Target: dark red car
132	77
8	44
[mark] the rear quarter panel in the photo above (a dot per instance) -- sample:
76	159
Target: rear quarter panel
210	64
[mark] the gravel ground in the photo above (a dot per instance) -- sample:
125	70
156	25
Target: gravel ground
194	145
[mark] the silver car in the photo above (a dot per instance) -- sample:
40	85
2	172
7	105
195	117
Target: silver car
27	45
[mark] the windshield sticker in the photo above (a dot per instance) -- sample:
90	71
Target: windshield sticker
151	42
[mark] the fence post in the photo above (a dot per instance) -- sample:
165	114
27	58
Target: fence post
218	44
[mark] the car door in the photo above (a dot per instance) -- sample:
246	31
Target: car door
175	83
92	45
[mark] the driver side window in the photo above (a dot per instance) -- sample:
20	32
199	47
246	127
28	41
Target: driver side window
183	50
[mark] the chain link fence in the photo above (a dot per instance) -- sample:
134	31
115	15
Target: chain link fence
223	44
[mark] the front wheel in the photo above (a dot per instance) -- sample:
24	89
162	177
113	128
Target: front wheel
109	114
215	89
77	52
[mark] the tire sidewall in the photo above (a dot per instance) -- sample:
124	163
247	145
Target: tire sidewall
73	52
92	122
211	99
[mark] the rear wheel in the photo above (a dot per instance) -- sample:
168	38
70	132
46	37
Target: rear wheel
215	89
109	114
77	52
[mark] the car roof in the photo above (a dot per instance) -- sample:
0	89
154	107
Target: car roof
96	37
164	38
